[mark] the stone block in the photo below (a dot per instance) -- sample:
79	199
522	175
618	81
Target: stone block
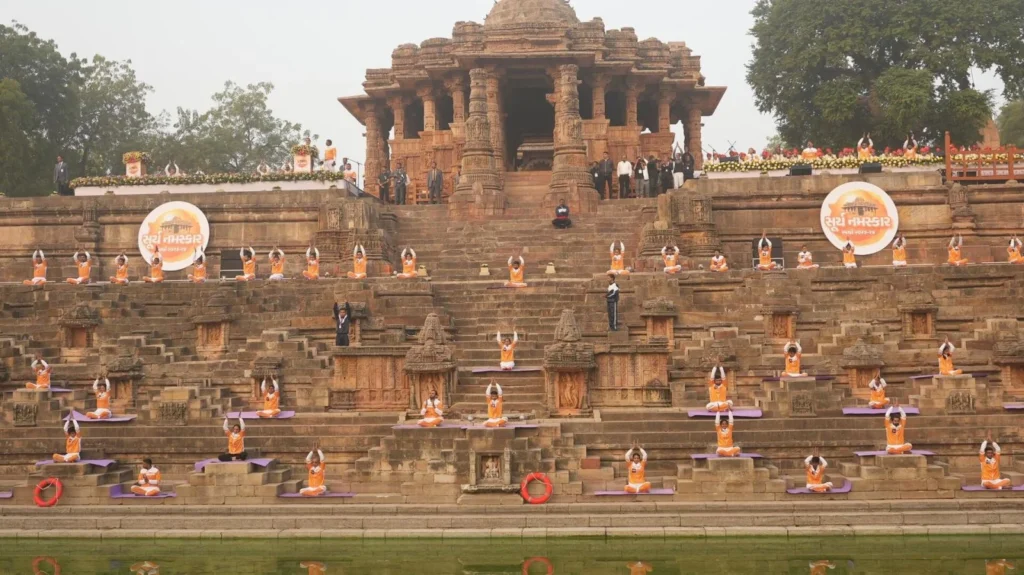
901	461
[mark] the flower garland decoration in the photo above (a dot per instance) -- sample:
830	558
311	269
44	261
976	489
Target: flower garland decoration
304	150
135	157
212	179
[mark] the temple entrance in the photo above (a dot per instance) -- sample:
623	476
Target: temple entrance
529	123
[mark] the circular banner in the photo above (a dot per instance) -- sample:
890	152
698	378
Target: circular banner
179	229
861	213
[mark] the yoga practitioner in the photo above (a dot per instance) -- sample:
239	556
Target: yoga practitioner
946	359
989	457
43	372
83	261
617	251
495	404
38	269
317	466
671	259
805	260
717	389
896	425
72	443
102	391
955	249
877	386
276	265
312	271
508	351
198	274
725	445
120	276
849	255
358	263
148	483
236	441
271	400
156	268
793	353
636	460
815	466
431	412
516	270
718	263
248	265
764	254
408	264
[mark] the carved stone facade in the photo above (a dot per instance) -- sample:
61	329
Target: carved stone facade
430	366
213	326
568	369
78	324
631	86
479	189
660	314
630	374
861	361
1008	354
917	309
960	208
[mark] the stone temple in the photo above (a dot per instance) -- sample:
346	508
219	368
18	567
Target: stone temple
533	80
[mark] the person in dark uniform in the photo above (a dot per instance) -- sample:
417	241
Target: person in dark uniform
343	318
384	179
612	297
399	178
562	220
604	175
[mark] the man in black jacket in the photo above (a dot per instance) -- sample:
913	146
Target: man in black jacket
343	318
604	175
612	297
562	220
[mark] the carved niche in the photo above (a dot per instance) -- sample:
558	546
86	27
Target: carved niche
802	405
917	308
861	361
213	326
264	368
960	402
660	314
26	414
568	367
174	413
780	320
430	366
78	325
125	372
1008	354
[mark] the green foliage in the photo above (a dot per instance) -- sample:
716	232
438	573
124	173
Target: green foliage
1011	124
16	118
831	71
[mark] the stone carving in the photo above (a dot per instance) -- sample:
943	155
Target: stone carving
431	365
570	163
25	414
659	307
481	181
174	413
567	330
569	386
960	402
90	232
960	208
568	364
917	308
802	404
79	316
341	400
657	394
699	234
492	468
861	355
266	367
1008	349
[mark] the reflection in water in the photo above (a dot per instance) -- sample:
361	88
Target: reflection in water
732	556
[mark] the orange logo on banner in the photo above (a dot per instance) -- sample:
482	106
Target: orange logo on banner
179	229
861	213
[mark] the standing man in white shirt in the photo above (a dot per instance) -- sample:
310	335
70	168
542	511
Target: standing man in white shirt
624	171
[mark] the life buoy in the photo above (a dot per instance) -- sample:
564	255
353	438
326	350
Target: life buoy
38	495
542	560
37	565
525	493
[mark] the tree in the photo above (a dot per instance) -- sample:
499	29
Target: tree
831	71
50	82
113	117
1011	124
16	118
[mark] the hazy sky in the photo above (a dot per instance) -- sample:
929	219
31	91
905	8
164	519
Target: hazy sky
187	49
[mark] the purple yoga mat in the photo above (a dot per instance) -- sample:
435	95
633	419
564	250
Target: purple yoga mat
96	462
624	493
328	494
931	375
699	456
846	488
736	413
54	389
980	488
112	419
873	411
816	378
6	494
118	492
878	453
253	415
200	466
1013	406
442	426
499	370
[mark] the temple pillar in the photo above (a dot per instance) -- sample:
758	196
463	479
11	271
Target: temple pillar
598	91
570	179
374	146
633	89
693	145
456	86
495	116
479	191
665	98
427	95
397	104
568	369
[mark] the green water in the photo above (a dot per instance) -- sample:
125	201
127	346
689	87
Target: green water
847	555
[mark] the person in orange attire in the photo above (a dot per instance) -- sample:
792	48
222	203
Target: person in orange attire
314	567
1014	251
83	261
910	147
38	269
636	461
849	255
815	466
810	153
317	466
671	259
102	391
865	148
148	483
821	567
793	353
639	568
276	257
718	391
495	404
43	371
508	351
899	251
408	265
271	400
431	412
989	456
330	157
764	254
896	425
120	276
618	259
236	441
997	566
946	359
725	445
359	263
198	274
72	443
248	265
805	260
718	263
877	386
516	272
312	271
956	246
156	268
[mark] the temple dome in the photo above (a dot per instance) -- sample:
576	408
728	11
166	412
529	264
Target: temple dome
512	12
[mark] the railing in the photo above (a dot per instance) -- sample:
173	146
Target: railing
998	165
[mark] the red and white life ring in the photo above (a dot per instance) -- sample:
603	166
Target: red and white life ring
525	493
542	560
44	484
